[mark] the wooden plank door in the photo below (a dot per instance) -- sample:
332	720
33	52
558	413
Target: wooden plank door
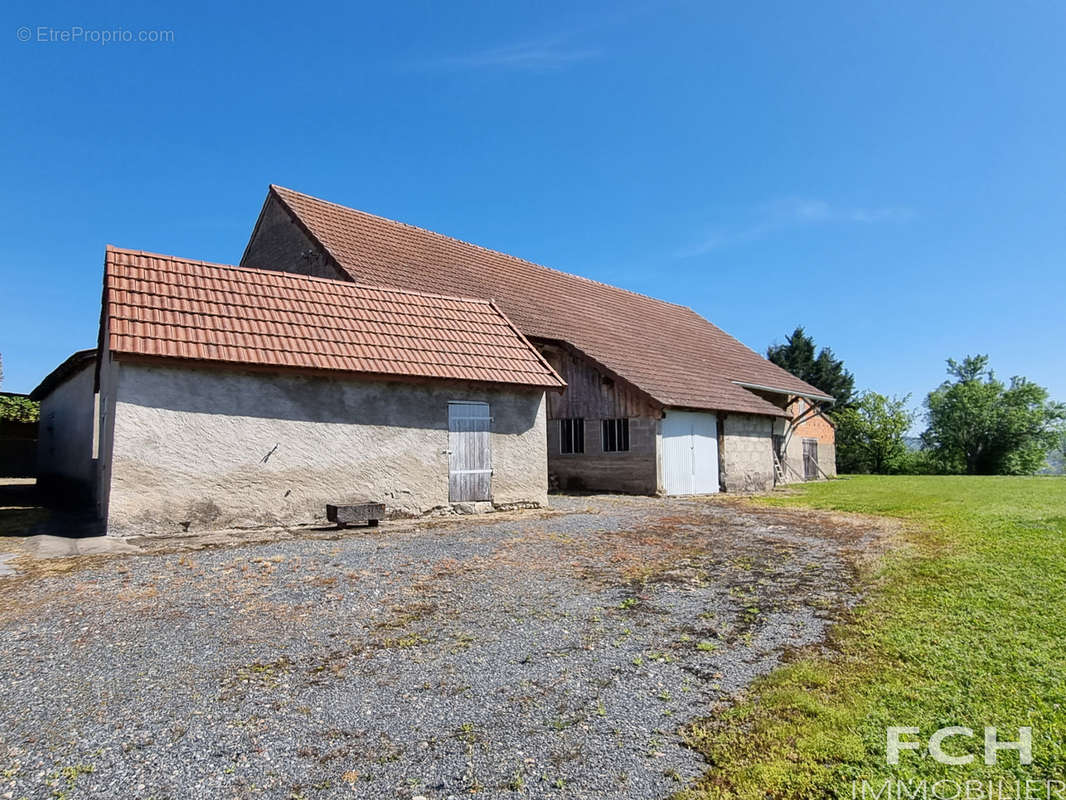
469	452
810	459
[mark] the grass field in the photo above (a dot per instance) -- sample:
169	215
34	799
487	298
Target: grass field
964	624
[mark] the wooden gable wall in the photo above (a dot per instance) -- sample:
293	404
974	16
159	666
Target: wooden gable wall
591	391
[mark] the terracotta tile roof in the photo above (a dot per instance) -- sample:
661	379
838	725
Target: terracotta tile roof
668	351
164	306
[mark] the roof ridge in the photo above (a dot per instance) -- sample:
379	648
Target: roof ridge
275	188
295	276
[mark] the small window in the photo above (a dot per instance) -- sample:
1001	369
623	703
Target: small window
572	435
615	435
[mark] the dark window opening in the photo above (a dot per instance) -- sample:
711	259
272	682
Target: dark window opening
615	435
572	435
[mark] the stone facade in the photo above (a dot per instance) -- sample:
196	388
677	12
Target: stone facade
746	454
278	242
66	438
188	448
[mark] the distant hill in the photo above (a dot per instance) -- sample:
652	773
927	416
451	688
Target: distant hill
1056	464
1056	460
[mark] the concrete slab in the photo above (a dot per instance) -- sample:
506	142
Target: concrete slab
5	568
46	546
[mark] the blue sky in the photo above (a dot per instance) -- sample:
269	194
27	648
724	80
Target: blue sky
892	177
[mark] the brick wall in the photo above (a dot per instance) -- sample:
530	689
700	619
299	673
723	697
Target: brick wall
815	427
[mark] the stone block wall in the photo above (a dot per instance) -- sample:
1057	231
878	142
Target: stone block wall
747	453
634	471
793	466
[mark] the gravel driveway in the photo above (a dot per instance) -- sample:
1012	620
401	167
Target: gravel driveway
517	655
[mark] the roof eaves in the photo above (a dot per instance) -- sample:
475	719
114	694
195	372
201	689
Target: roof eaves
792	392
522	336
57	376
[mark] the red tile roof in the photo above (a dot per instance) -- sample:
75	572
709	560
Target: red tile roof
164	306
669	351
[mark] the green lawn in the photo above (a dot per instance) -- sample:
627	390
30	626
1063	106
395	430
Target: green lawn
963	624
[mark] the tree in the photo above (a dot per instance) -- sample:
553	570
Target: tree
980	426
16	408
869	436
823	371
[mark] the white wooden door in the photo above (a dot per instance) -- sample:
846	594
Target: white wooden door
690	452
469	452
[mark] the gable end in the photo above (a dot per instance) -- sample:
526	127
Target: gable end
280	242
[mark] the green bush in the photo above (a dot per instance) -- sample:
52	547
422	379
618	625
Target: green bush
18	408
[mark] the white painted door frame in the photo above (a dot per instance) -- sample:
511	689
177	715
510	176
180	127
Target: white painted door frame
690	452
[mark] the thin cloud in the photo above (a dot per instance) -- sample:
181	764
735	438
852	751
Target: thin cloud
538	55
788	214
804	210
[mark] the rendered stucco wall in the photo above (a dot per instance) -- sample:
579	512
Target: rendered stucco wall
200	448
65	441
747	453
827	458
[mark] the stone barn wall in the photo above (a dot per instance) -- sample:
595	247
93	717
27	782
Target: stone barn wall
747	453
278	242
206	448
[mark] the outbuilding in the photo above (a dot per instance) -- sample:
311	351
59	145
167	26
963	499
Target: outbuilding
67	431
232	397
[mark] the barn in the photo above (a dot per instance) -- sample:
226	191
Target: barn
240	397
658	399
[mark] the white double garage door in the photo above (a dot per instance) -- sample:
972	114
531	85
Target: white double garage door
690	452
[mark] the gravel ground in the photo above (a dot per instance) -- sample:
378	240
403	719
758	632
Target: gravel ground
516	655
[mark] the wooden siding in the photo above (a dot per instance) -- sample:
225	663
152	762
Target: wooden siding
591	393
